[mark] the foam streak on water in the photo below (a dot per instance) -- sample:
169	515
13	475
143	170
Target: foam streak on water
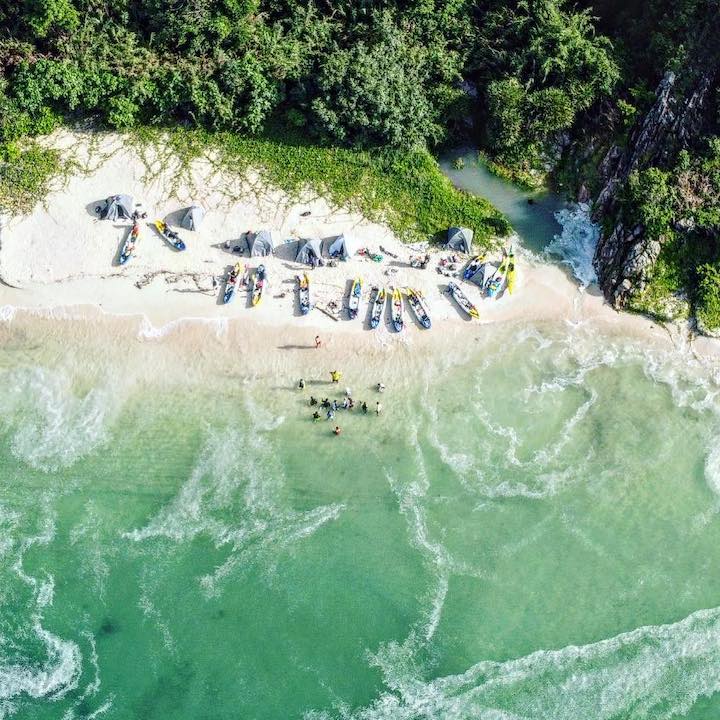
577	242
651	672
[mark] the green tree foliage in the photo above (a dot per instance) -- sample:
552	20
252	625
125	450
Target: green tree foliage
651	196
708	300
367	72
387	88
540	64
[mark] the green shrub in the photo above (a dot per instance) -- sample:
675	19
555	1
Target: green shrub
707	307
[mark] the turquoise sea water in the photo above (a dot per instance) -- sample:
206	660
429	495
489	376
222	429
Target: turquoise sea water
529	530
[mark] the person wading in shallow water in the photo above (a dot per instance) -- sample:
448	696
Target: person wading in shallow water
337	430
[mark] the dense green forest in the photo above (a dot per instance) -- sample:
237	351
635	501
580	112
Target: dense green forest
545	88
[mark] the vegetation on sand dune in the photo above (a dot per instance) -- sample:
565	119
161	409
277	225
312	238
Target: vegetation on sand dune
405	189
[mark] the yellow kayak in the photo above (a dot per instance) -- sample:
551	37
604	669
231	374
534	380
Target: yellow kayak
512	272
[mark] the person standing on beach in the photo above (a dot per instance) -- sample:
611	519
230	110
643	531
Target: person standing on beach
318	342
335	376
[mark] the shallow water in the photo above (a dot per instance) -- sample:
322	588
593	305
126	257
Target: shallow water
529	530
531	213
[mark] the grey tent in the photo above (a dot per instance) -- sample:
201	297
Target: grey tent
310	251
460	239
193	217
343	247
118	207
260	244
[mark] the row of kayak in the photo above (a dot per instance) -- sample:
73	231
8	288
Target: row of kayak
169	235
415	300
492	278
243	276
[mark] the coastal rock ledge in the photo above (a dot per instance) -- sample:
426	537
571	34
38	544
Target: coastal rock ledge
625	254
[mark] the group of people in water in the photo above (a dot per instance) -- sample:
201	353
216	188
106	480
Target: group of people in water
333	406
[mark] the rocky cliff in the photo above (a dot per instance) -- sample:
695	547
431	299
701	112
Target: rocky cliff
624	253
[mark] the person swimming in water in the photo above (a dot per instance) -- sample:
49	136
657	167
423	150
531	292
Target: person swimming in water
301	384
316	416
330	414
313	401
337	430
364	407
325	403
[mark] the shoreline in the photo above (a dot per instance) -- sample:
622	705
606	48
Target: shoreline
60	259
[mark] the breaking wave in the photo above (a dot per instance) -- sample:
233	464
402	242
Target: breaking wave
657	671
576	242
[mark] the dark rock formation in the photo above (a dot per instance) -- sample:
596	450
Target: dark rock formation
624	254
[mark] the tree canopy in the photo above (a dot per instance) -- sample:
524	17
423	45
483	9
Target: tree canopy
368	73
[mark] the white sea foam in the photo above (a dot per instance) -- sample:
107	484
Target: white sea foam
54	678
654	672
56	427
60	671
148	331
577	242
232	497
7	313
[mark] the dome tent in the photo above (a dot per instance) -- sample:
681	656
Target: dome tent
310	249
260	244
343	247
118	207
193	217
460	239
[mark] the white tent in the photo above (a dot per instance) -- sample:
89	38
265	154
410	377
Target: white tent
118	207
343	247
193	217
260	244
460	239
310	249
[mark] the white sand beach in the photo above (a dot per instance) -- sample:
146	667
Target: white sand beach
62	255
